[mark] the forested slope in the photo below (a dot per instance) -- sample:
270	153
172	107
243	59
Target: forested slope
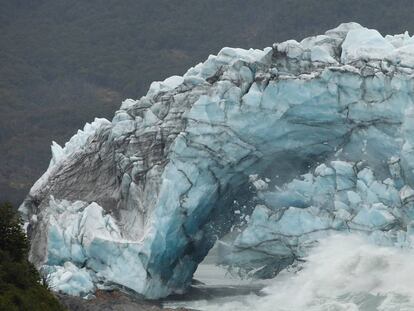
64	62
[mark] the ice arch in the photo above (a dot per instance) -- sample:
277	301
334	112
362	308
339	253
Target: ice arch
139	201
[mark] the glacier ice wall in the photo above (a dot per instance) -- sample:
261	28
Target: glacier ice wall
139	201
338	197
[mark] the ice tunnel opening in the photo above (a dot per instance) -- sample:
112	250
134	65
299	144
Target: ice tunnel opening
313	145
228	223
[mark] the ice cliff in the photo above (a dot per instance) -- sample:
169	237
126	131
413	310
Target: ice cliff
322	128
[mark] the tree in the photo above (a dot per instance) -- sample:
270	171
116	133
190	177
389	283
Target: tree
20	284
13	240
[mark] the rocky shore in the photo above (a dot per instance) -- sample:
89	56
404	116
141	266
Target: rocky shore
111	301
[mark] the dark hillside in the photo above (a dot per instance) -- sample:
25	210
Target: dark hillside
63	62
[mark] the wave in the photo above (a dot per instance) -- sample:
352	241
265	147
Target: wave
342	273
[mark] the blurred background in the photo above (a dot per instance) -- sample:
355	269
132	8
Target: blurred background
64	62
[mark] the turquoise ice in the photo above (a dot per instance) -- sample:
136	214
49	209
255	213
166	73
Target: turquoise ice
326	124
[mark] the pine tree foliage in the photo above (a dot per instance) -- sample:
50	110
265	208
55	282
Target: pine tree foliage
20	283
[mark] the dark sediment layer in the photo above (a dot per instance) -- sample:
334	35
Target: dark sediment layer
111	301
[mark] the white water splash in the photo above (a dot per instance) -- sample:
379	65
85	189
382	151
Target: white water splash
343	273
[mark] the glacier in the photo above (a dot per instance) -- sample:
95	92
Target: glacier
341	197
310	138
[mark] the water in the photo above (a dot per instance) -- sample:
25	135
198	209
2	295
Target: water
343	273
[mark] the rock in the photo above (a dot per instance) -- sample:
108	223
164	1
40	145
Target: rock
111	301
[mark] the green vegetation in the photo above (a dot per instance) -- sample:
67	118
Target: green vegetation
63	62
20	283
